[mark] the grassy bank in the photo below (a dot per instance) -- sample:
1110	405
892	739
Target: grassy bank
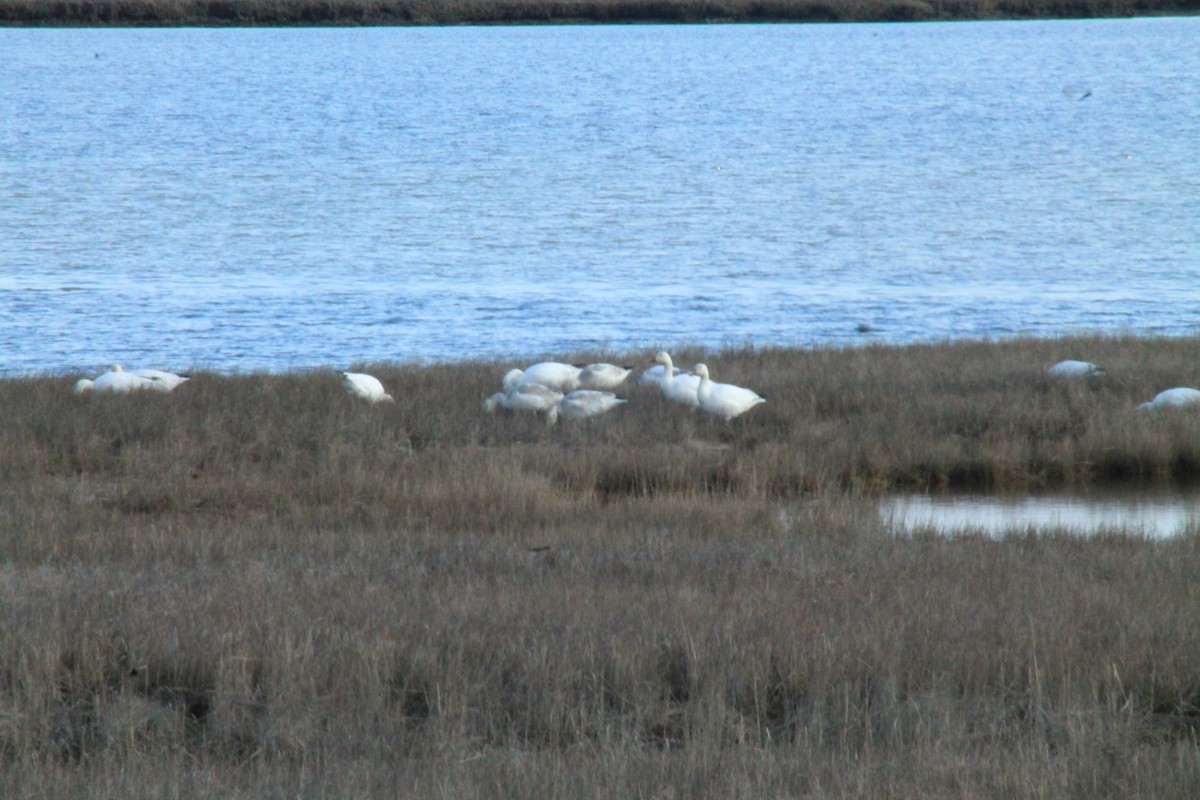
523	12
258	587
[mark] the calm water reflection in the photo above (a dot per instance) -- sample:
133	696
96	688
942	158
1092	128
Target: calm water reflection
1155	514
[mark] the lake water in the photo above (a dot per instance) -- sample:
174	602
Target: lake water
283	198
1157	514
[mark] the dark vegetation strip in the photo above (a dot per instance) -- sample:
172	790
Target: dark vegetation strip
524	12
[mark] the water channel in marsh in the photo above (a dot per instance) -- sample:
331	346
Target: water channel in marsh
1158	513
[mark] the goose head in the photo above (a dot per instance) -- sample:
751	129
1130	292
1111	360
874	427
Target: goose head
512	378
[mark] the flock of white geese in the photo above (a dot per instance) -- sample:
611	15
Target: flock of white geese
556	389
580	392
574	392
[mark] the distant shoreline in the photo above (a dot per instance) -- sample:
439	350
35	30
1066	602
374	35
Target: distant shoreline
350	13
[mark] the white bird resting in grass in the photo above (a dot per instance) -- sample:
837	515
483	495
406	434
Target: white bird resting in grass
582	404
117	380
523	397
1074	369
602	376
167	380
653	376
551	374
724	399
1172	398
679	387
368	387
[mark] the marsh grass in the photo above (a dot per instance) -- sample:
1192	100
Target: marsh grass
456	12
257	586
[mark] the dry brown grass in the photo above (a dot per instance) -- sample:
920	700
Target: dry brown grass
452	12
259	587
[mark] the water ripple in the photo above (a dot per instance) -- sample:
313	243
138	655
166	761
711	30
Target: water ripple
277	199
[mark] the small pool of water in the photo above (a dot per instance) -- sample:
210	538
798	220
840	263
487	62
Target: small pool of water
1154	514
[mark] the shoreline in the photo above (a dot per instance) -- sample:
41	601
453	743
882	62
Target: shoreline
1068	342
420	13
961	414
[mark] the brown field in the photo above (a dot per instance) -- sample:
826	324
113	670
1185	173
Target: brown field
524	12
258	586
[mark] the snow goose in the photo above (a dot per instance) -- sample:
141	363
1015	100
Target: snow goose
368	387
169	380
681	387
119	381
582	404
1172	398
653	376
724	399
523	397
1074	369
602	376
551	374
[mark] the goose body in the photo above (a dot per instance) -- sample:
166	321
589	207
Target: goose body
368	387
523	397
602	376
1074	369
724	399
117	380
551	374
1172	398
167	379
678	387
582	404
653	376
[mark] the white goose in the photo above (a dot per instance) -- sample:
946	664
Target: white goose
1074	369
119	381
653	376
582	404
523	397
724	399
368	387
168	379
1172	398
602	376
551	374
681	387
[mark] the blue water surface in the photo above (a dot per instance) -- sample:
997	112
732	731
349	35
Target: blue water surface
273	199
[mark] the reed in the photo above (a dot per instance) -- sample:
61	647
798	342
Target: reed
259	586
521	12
